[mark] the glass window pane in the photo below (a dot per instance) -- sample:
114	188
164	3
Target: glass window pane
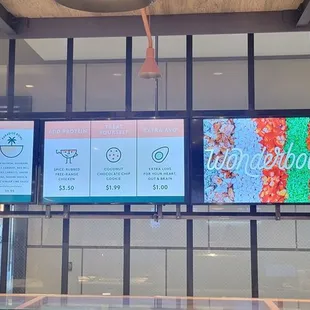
35	227
96	258
40	75
43	271
284	274
4	55
102	272
147	272
176	273
220	72
145	90
176	85
158	255
282	66
172	53
99	74
34	261
283	259
215	273
75	276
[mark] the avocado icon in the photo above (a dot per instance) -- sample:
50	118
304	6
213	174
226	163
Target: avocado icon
160	154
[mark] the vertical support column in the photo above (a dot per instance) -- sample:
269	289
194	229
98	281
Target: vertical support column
189	223
128	81
11	78
69	91
253	223
189	255
6	221
4	251
18	242
126	267
254	254
156	80
65	250
127	223
66	220
251	72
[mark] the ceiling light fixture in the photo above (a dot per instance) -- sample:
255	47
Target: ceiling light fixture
218	73
29	86
117	74
105	6
149	69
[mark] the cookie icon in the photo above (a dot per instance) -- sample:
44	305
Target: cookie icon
113	155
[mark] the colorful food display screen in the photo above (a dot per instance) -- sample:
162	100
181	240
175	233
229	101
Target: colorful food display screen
121	161
251	160
16	161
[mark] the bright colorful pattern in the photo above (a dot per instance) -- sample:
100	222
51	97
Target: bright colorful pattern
261	160
298	179
272	132
219	137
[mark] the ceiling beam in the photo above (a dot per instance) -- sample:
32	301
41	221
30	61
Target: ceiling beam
8	22
228	23
305	14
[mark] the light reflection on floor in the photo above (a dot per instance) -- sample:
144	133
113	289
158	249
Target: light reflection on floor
82	302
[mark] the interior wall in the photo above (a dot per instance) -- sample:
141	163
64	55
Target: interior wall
222	265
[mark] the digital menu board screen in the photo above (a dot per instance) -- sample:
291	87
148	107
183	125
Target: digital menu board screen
251	160
16	161
119	161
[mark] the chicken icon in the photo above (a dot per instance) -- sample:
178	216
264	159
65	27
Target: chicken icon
68	154
160	154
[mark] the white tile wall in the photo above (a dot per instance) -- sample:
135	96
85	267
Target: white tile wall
276	234
271	208
45	231
96	232
303	238
229	234
201	233
52	231
170	233
35	228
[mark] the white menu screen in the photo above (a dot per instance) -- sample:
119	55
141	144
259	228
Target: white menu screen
119	161
16	161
